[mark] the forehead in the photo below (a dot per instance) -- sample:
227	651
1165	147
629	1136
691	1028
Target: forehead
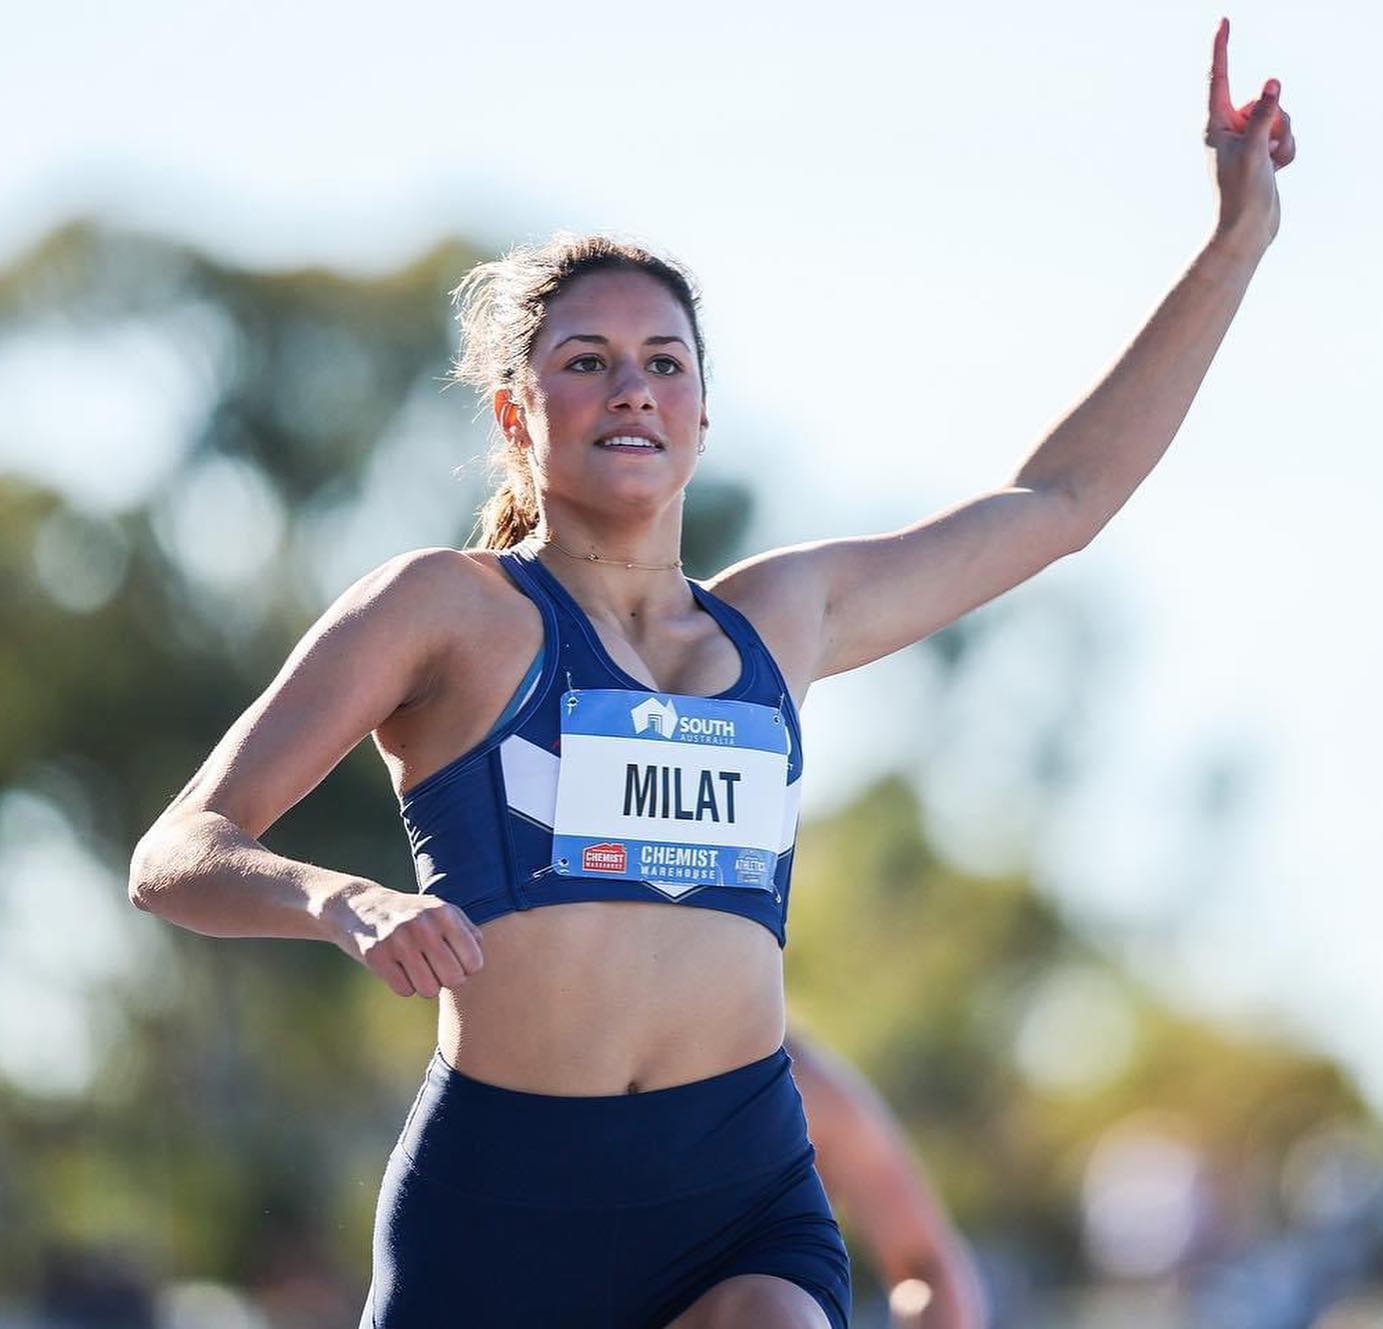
615	302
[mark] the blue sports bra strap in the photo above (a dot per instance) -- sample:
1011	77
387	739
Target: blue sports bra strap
739	629
541	585
521	565
536	582
516	566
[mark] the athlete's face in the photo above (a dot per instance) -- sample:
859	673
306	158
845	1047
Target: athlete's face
615	356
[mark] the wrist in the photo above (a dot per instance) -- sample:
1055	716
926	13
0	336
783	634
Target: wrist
1239	243
331	905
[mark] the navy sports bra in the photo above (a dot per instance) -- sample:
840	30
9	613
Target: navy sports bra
481	827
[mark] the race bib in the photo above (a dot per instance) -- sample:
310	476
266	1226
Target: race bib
675	791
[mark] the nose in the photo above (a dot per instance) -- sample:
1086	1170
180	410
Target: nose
632	388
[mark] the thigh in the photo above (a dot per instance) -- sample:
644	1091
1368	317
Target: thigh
798	1243
769	1240
441	1256
761	1300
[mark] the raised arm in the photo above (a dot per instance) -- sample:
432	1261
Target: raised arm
201	864
869	1171
869	596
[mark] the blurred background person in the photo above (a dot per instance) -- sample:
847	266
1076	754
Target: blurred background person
877	1183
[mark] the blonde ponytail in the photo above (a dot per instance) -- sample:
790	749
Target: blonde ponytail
508	516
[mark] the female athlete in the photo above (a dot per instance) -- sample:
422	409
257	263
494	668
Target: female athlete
597	762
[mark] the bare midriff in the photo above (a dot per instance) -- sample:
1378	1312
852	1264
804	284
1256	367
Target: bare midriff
614	997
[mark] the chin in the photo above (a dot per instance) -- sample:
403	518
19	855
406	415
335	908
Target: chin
630	487
644	500
633	495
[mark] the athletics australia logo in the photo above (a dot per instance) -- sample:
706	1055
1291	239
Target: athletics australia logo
660	717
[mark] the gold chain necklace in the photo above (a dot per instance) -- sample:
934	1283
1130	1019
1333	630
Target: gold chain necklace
619	562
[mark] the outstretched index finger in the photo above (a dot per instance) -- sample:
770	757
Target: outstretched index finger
1221	108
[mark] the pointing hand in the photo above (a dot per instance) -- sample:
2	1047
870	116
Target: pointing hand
1251	144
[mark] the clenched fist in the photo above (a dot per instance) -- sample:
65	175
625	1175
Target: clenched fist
418	944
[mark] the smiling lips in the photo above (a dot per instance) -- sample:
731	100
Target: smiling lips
629	443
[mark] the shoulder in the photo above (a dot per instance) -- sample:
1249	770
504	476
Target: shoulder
442	630
423	606
780	582
428	583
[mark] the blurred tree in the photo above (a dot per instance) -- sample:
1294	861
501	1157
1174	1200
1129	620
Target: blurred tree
126	652
1007	1043
246	1094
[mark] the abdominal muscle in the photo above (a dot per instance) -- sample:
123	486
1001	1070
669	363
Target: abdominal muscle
612	997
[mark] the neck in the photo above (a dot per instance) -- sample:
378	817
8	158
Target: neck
653	541
607	581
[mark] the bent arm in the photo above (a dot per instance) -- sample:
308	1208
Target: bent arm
872	1173
200	870
201	864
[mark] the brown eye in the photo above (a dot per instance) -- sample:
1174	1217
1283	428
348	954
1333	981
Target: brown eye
667	360
580	358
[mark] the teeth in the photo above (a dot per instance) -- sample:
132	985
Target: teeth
628	441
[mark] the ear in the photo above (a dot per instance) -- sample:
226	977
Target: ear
509	415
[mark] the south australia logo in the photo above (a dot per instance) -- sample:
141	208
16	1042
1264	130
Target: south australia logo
660	717
604	857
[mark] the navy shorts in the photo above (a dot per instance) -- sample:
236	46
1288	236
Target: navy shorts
511	1209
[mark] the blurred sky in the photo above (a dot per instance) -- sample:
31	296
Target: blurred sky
923	232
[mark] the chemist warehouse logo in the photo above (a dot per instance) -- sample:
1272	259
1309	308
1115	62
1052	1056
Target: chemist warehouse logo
604	857
661	718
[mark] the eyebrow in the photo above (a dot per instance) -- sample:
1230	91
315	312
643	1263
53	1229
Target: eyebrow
605	341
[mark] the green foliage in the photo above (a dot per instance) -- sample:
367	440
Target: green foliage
923	975
250	1090
255	1087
